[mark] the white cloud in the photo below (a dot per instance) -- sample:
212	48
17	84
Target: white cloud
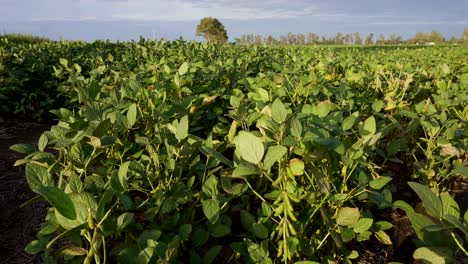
174	10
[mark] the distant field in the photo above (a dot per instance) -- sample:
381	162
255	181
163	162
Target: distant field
186	152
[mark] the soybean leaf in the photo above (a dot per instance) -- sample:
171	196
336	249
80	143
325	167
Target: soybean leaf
124	220
211	254
182	128
132	115
122	174
274	154
383	237
347	216
23	148
380	182
295	127
363	225
279	112
463	171
450	205
348	122
430	201
42	143
183	68
369	127
38	176
323	108
250	147
434	255
84	204
34	247
59	200
211	209
297	167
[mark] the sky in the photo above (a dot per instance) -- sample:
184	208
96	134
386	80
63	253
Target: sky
128	19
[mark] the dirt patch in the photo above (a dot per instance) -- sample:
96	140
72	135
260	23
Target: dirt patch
18	226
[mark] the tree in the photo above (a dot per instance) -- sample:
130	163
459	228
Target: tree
465	36
212	30
369	39
357	38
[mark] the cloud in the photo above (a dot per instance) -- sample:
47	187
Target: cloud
160	10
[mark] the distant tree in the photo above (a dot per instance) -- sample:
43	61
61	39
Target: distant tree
270	40
339	38
369	39
212	30
300	39
357	38
382	40
292	39
465	36
313	38
283	40
436	37
454	40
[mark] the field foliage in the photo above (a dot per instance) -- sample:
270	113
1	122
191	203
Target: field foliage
181	152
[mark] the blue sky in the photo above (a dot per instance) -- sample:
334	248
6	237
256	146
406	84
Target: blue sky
128	19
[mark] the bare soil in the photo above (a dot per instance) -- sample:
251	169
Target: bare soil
18	226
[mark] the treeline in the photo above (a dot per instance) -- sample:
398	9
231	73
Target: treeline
350	38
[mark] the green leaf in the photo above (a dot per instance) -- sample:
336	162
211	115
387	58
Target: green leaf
457	223
383	237
348	122
450	205
34	247
209	151
430	200
124	220
259	230
419	222
279	112
462	171
274	154
211	209
247	220
403	206
60	201
210	187
122	174
245	169
63	61
347	216
132	115
369	127
38	176
146	255
182	128
295	127
377	106
200	236
346	234
183	68
382	225
434	255
306	262
380	182
84	203
72	251
42	144
23	148
211	254
323	108
250	147
363	225
297	167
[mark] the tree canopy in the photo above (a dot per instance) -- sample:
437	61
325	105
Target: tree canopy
212	30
